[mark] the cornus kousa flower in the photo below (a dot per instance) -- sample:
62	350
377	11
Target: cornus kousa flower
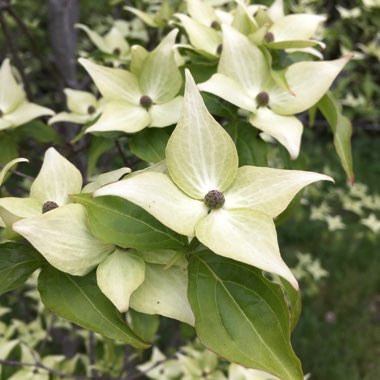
57	228
244	78
280	31
205	194
202	27
83	107
144	97
15	109
113	42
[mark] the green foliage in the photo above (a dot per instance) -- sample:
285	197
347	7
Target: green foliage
342	130
17	263
243	304
78	299
117	221
260	71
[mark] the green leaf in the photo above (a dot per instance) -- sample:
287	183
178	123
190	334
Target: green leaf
241	315
342	130
150	144
39	131
252	150
79	300
17	263
120	222
9	148
145	325
294	302
218	106
98	146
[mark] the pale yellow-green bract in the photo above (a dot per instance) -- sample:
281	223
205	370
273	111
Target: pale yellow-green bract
83	107
119	275
61	235
113	42
155	75
201	157
15	109
244	73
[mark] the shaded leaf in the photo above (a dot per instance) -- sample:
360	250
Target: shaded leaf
39	131
9	149
342	130
241	315
98	146
294	302
120	222
252	150
79	300
150	144
145	325
17	263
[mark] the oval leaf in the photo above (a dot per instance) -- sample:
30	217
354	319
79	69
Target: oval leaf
79	300
150	144
17	263
120	222
241	315
342	130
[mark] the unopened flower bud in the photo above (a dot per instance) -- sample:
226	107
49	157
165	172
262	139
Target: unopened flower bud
214	199
146	102
262	99
269	37
48	206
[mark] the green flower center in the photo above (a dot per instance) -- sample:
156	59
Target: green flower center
214	199
48	206
146	102
91	110
262	99
116	51
269	37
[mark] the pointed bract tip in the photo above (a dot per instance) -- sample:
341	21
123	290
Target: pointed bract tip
295	284
83	61
189	78
348	56
6	62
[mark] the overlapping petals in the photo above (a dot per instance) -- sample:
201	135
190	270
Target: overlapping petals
15	109
144	97
244	73
201	157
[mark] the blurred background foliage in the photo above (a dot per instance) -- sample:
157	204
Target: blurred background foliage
331	238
